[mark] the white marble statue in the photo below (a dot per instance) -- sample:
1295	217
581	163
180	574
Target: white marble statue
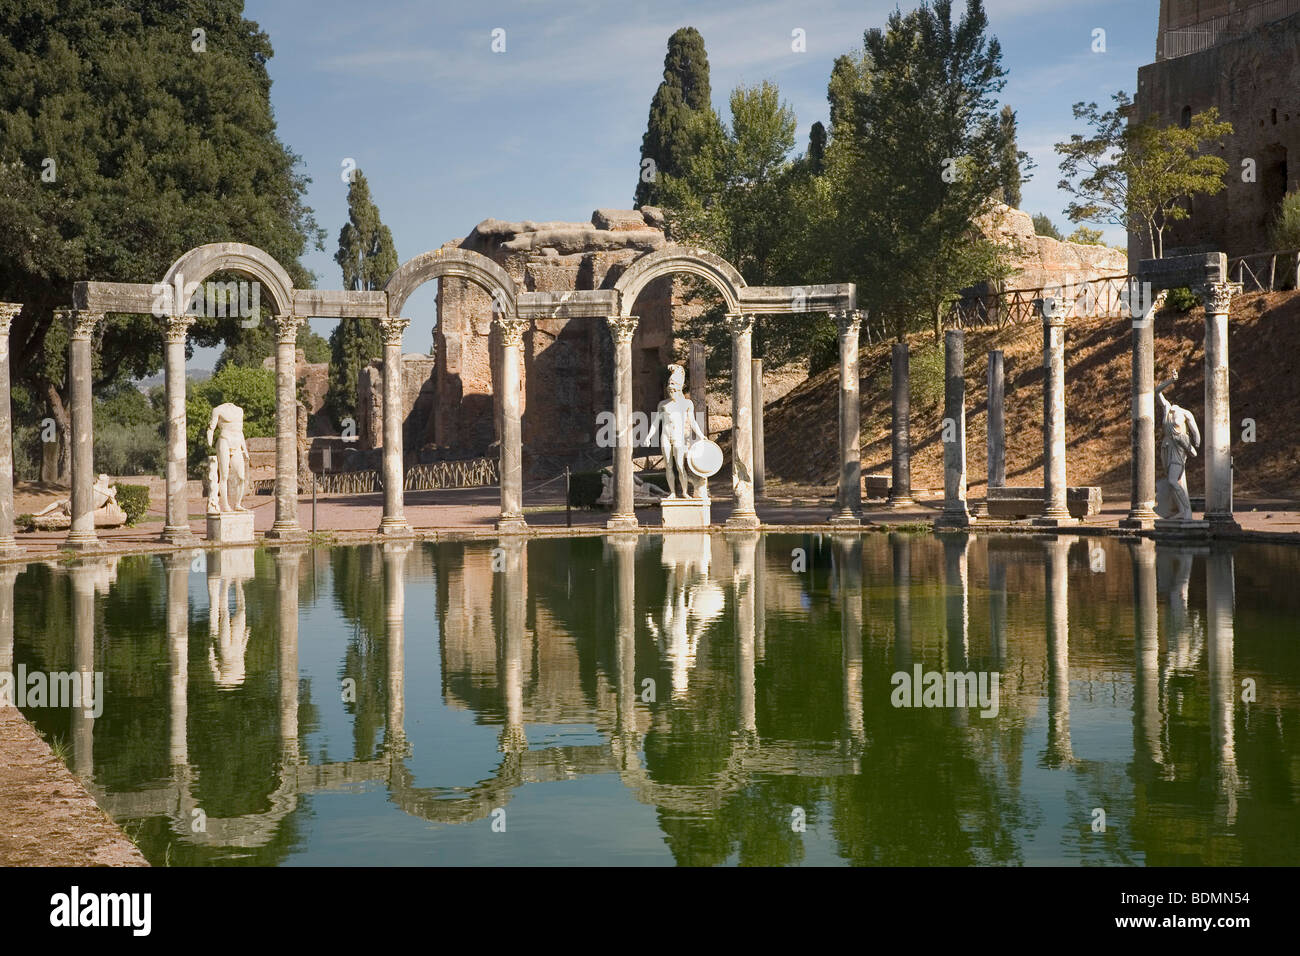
678	430
103	493
214	479
1180	438
231	455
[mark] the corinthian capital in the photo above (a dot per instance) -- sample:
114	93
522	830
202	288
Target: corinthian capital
512	329
1218	296
178	327
286	328
81	324
622	328
392	330
8	312
739	323
848	320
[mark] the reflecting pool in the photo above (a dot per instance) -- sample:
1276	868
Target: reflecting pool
682	699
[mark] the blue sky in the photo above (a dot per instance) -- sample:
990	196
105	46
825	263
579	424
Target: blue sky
450	133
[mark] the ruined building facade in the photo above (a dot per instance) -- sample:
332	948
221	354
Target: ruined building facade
1242	56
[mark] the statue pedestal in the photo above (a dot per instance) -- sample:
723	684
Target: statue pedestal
1181	528
686	512
231	527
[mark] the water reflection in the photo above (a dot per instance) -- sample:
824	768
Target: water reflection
708	678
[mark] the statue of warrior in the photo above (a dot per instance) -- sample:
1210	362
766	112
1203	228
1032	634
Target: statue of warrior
678	430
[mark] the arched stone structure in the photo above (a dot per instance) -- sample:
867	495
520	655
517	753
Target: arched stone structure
202	261
663	262
482	271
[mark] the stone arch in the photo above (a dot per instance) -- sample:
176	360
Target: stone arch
662	262
463	263
202	261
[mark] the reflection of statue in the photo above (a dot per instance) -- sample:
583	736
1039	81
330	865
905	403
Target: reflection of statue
678	430
232	455
693	601
1179	441
229	633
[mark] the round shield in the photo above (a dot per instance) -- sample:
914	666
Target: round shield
704	458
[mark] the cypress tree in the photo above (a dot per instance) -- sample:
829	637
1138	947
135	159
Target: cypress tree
1010	160
669	138
367	257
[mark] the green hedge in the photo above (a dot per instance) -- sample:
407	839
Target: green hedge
134	500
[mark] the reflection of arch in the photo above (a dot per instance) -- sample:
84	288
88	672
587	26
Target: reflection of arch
202	261
653	265
462	263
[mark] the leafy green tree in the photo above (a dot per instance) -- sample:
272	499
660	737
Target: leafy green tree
1284	231
1043	226
681	118
124	141
368	257
1138	174
1085	236
253	389
920	156
255	345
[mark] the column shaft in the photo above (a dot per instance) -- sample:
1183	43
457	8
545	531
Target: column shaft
741	326
1218	420
850	485
176	527
955	513
756	404
699	385
1055	510
81	534
286	431
621	330
394	519
997	438
900	485
1142	467
512	466
8	312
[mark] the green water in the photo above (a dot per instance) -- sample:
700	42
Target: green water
688	699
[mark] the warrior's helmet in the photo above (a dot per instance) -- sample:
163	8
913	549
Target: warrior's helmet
676	376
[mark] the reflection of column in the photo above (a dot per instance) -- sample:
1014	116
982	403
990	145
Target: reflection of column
1055	509
286	526
394	520
956	548
8	312
901	546
1056	574
81	533
760	598
742	577
624	548
849	560
1142	468
900	485
286	602
178	656
850	486
176	528
83	662
514	590
741	327
395	639
1218	422
953	432
8	574
1219	599
1146	629
512	451
997	604
621	330
997	437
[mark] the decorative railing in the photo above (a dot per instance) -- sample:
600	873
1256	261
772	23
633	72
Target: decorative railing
1104	297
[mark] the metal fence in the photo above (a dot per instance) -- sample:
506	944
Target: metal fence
1104	297
1267	271
473	473
1207	33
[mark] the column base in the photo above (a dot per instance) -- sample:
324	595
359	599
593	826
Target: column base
1054	519
179	535
9	548
622	523
900	501
1222	521
954	519
286	532
844	518
1139	519
83	541
394	528
742	522
1182	528
512	524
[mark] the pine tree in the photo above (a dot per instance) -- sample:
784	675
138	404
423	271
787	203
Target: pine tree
673	131
1011	159
368	257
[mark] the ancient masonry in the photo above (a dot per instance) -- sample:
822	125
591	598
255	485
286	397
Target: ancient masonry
567	377
1242	56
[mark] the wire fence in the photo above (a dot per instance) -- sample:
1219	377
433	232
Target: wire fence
472	473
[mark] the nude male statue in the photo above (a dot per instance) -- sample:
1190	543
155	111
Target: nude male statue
102	492
1179	440
678	429
232	454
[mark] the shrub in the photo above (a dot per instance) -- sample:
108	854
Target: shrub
1284	231
134	500
926	373
584	488
1182	299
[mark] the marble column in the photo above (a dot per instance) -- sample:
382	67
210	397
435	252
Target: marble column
177	566
81	328
741	327
285	527
621	330
1056	512
511	330
997	436
8	547
176	527
1218	418
1220	600
1142	443
394	521
756	403
1057	600
850	410
1148	737
900	485
849	554
953	433
743	545
395	742
699	385
514	619
287	563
